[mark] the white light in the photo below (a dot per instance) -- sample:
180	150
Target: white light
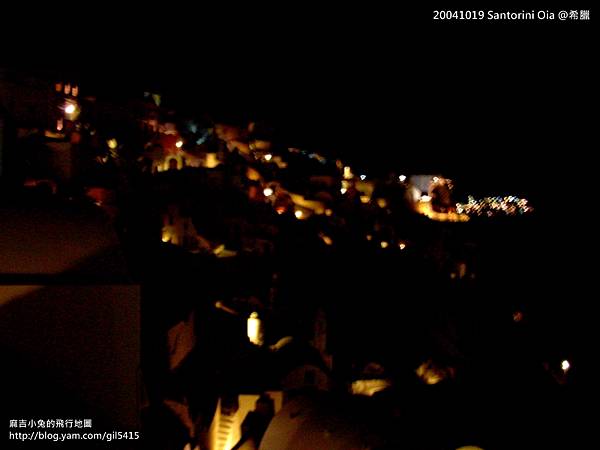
402	178
363	177
268	157
298	214
254	329
179	144
436	179
402	245
70	108
425	198
343	191
565	365
268	192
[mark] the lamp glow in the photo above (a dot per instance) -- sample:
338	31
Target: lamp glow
254	329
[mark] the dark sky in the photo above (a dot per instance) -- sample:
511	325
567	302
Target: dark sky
493	104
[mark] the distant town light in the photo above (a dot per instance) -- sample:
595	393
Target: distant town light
363	177
402	245
59	125
326	239
347	173
179	144
112	143
369	237
268	157
384	244
328	212
343	191
70	108
268	192
299	214
565	366
402	178
369	387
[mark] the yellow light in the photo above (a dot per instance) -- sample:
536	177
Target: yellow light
343	191
166	237
402	245
381	202
369	387
369	237
254	329
326	239
348	173
299	214
268	192
565	366
429	373
328	212
70	108
268	157
384	244
364	199
179	144
112	143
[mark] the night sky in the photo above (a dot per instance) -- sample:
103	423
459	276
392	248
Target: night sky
502	108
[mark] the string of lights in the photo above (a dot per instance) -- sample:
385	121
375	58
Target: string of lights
494	206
